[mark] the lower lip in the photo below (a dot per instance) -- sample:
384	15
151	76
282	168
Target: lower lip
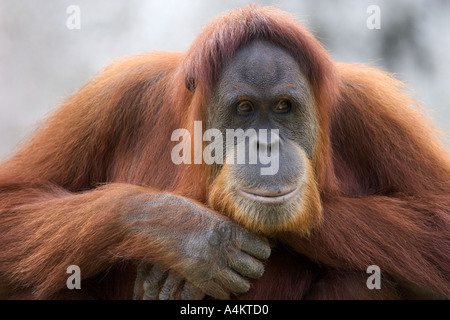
268	199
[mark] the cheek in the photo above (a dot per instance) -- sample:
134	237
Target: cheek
305	132
299	214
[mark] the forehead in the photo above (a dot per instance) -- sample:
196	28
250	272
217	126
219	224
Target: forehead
261	64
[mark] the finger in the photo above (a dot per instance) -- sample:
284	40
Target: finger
190	292
246	265
141	273
153	282
234	282
214	290
170	287
254	245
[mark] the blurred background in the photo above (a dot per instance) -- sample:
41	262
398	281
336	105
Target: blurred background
42	61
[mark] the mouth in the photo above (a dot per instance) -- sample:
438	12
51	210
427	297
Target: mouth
268	197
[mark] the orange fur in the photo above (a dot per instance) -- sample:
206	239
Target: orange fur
66	195
300	215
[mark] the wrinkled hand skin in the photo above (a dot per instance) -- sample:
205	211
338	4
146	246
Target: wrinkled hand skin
218	264
157	283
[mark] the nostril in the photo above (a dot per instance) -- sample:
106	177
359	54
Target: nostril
263	146
264	143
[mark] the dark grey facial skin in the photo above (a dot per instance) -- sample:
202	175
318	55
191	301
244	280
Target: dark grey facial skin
277	96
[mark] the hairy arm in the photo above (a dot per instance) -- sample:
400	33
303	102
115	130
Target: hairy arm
393	204
409	239
71	194
117	222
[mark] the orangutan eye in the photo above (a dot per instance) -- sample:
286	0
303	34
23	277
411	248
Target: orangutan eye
284	106
244	108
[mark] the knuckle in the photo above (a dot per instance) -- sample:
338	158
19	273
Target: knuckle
148	285
221	235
